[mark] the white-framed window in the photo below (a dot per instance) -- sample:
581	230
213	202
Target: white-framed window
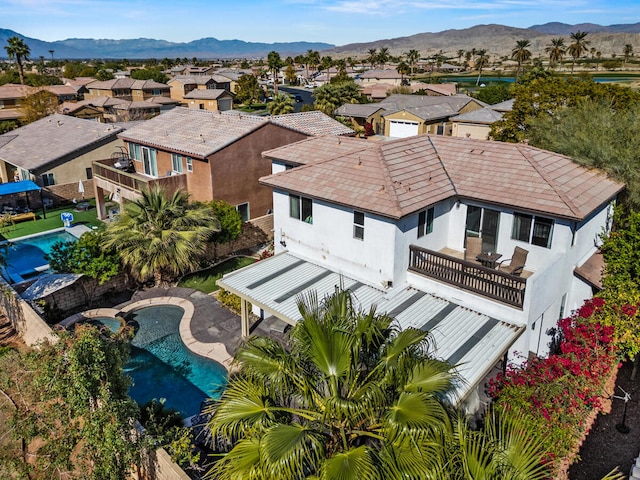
48	180
176	163
149	161
301	208
425	222
532	229
189	164
358	225
243	210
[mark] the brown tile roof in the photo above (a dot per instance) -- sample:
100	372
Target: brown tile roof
127	83
60	89
14	91
439	88
592	270
313	123
358	110
316	149
198	133
485	116
389	74
399	177
208	94
54	138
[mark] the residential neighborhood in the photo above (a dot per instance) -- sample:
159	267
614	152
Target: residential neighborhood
395	264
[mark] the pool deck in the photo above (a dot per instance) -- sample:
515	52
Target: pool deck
206	328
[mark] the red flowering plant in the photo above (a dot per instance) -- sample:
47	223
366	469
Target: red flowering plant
555	394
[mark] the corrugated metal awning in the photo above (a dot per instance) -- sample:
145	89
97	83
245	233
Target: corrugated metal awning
472	341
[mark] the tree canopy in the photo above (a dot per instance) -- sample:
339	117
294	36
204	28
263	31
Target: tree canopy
247	89
161	236
333	95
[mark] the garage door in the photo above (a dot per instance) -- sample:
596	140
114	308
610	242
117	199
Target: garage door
224	104
402	128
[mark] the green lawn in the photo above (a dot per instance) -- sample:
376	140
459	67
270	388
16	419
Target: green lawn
52	221
205	281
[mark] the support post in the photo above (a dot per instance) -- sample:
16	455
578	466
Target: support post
244	317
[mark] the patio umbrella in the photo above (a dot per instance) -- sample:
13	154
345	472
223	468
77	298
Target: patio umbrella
81	189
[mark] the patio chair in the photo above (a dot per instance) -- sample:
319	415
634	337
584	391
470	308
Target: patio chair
516	262
474	248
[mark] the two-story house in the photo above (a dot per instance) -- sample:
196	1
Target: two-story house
182	86
210	155
396	223
127	89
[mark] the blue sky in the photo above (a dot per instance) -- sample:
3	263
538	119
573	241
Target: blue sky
331	21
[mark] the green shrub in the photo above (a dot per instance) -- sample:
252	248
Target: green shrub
230	300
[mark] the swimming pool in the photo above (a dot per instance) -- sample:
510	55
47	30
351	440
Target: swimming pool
25	257
161	366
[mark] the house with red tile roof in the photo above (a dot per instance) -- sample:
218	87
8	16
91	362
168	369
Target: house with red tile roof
210	155
397	223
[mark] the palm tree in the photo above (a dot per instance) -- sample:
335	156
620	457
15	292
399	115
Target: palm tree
51	52
412	58
521	53
161	237
403	69
281	104
275	64
18	49
460	54
578	47
352	397
481	62
556	51
627	52
383	56
373	57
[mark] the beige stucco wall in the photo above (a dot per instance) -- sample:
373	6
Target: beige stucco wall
471	130
75	170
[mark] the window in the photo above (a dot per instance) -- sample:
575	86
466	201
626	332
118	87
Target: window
48	180
134	152
531	229
243	210
189	164
301	208
425	222
89	173
149	161
358	225
176	162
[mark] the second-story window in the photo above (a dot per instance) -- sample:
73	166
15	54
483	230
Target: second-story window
134	152
189	164
301	208
48	180
532	229
425	222
176	162
358	225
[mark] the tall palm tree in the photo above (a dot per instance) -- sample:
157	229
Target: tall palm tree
521	54
556	51
373	57
161	236
403	69
412	58
578	47
18	49
383	56
275	64
460	54
481	62
51	53
352	397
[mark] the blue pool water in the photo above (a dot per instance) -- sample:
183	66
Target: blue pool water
26	258
161	366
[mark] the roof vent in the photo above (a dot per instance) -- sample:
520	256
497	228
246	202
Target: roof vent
59	123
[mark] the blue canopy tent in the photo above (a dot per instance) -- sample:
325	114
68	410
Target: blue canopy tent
23	186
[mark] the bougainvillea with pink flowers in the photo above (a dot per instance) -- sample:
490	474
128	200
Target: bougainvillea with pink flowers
557	393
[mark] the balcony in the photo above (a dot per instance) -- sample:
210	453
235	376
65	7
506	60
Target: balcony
104	169
473	277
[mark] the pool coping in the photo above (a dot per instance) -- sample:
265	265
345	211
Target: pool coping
215	351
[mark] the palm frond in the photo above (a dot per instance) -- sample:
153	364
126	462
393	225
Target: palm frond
353	464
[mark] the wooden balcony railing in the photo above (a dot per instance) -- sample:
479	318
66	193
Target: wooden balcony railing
135	181
469	276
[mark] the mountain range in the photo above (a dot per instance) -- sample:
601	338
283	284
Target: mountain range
497	39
